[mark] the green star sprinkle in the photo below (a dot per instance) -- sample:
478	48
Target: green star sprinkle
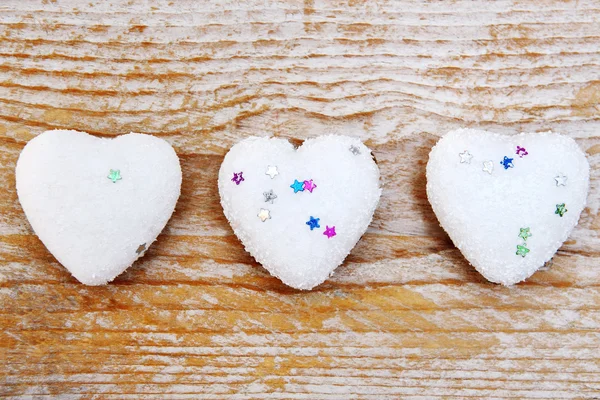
560	209
115	175
522	250
524	233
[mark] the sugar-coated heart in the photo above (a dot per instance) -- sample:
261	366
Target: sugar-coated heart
299	212
97	204
507	202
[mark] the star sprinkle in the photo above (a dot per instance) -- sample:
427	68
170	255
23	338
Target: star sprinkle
309	185
524	233
272	171
561	209
329	232
521	151
488	166
297	186
561	180
507	162
270	196
354	150
313	223
522	250
238	177
264	214
465	157
141	248
115	175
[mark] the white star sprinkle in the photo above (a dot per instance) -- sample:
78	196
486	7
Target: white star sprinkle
561	180
141	248
488	166
465	157
264	215
354	150
272	171
269	196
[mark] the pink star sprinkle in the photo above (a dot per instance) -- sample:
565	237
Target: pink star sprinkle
237	178
329	232
309	185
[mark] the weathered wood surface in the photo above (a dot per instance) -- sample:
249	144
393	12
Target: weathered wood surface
405	316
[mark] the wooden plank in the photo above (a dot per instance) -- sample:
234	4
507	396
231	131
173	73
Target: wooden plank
197	317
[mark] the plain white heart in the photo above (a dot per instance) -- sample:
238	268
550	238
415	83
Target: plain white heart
284	203
97	204
507	202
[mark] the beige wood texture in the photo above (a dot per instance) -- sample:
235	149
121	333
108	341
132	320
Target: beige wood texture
405	316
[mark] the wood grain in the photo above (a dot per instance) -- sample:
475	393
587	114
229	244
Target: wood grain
405	316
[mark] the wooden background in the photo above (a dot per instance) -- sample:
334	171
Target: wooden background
405	316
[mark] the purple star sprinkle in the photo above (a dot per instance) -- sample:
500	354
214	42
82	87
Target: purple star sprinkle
329	232
521	151
237	178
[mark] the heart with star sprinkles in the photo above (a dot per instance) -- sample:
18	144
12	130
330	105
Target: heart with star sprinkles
507	202
97	204
299	212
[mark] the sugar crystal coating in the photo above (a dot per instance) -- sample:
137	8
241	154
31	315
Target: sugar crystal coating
323	182
483	209
96	203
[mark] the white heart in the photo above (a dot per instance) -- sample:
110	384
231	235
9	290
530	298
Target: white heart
345	197
94	225
483	202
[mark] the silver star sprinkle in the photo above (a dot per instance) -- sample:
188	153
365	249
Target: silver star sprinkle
264	215
488	166
141	248
269	196
272	171
354	150
465	157
561	180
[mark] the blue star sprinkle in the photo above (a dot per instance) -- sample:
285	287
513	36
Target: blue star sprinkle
507	162
313	223
297	186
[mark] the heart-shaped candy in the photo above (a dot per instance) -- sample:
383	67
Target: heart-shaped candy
299	212
97	204
507	202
